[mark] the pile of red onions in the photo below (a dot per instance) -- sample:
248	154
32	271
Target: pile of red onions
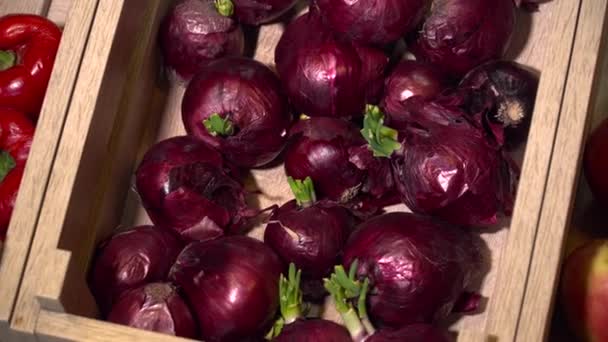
433	134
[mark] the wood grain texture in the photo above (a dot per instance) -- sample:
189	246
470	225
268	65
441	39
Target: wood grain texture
42	153
80	208
586	86
39	7
557	24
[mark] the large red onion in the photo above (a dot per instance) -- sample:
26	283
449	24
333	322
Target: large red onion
459	35
183	186
373	21
130	259
321	73
256	12
232	284
155	307
417	267
451	170
374	62
313	330
193	33
410	79
237	106
410	333
307	233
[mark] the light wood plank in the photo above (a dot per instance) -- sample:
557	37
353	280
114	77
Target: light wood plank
42	153
58	11
586	72
24	6
559	21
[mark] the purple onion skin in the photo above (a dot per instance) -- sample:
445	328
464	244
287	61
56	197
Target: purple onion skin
507	93
317	330
374	63
154	307
232	285
183	186
410	333
410	79
312	237
319	150
373	22
193	33
250	95
256	12
321	73
417	267
459	35
453	172
130	259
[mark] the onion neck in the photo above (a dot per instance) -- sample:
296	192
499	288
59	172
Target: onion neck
290	300
7	163
382	140
304	191
224	7
216	125
8	59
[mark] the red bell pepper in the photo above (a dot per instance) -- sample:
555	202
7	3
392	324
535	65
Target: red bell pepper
16	134
28	46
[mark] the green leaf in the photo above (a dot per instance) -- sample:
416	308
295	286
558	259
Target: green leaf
216	125
7	163
382	140
8	59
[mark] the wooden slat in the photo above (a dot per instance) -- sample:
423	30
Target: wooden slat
24	6
42	153
555	51
474	336
58	11
580	97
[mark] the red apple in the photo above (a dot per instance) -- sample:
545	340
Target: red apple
584	292
596	163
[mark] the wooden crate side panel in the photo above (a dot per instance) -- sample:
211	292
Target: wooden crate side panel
582	88
24	6
559	25
42	153
46	262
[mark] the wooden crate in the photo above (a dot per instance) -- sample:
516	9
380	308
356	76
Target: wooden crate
123	104
568	201
75	17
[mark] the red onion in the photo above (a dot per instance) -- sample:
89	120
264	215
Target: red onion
410	79
459	35
183	186
374	62
321	73
529	5
232	285
500	96
307	233
313	330
130	259
155	307
193	33
449	169
410	333
596	164
416	267
256	12
319	150
237	106
373	21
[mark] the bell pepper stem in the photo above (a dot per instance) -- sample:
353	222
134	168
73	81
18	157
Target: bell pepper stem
8	59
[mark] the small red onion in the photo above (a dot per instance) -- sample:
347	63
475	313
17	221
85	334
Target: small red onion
376	22
232	284
256	12
459	35
155	307
237	105
313	330
193	33
130	259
